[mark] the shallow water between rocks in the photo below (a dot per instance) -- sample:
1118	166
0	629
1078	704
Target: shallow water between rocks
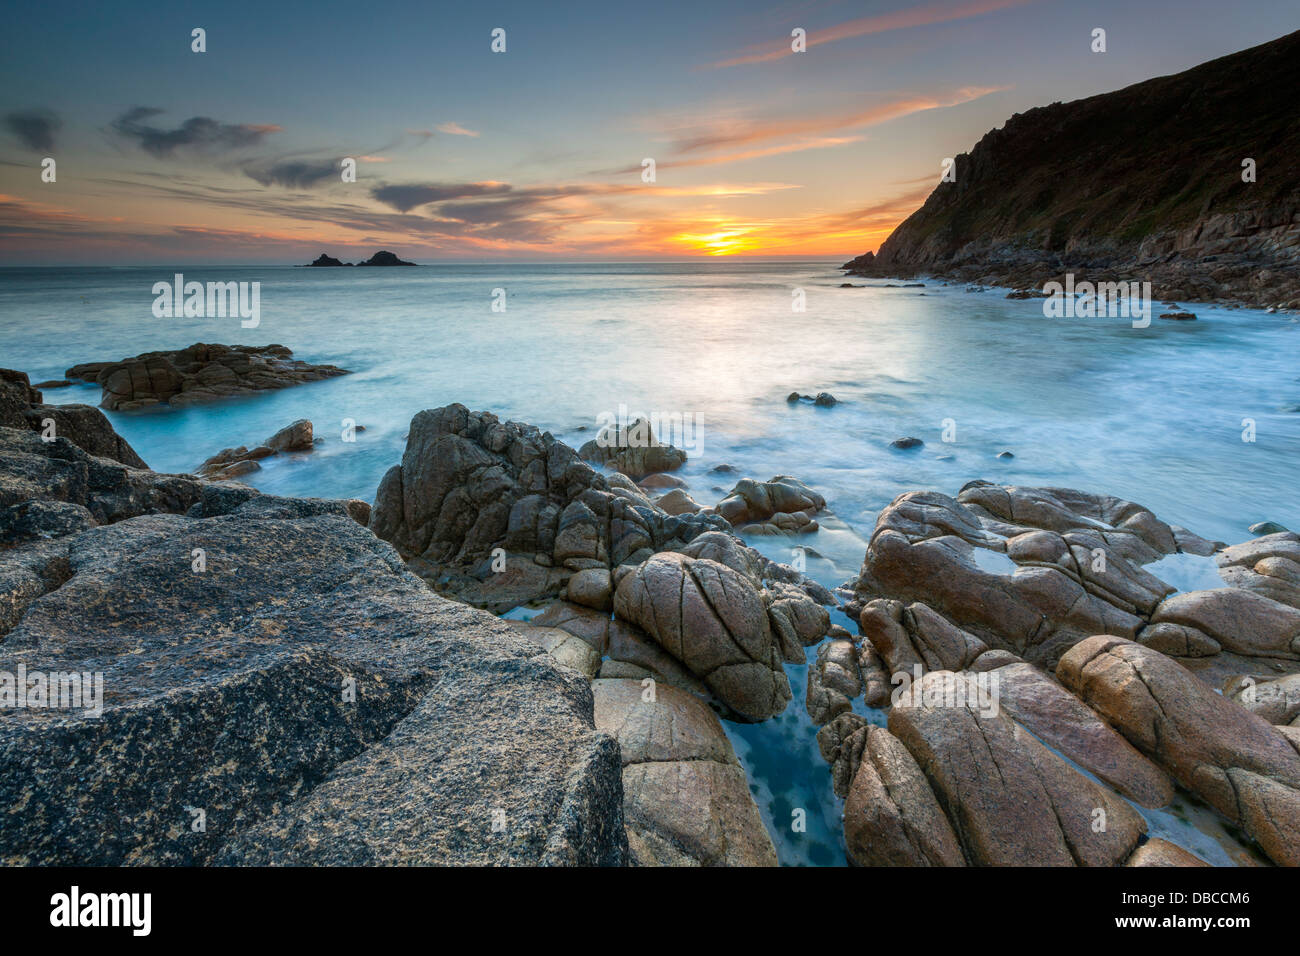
1155	415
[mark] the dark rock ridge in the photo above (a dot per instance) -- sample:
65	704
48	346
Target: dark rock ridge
21	406
271	668
1144	183
199	373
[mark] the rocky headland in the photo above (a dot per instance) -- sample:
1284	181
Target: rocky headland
1190	181
323	681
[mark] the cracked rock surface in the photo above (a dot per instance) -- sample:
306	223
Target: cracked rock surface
686	798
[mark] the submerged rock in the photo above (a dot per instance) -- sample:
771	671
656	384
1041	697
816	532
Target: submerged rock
233	462
1267	527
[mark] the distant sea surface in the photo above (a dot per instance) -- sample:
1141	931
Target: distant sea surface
1155	415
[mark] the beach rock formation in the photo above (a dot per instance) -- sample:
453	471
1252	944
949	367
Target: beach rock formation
1276	701
197	374
382	725
784	505
1268	565
834	680
891	816
1027	205
66	481
1063	722
1000	589
1066	564
1041	812
1231	758
710	618
499	513
324	260
1158	852
686	799
714	618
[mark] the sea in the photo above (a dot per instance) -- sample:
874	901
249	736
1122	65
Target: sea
1197	420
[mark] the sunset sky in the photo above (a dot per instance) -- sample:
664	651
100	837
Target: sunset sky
165	155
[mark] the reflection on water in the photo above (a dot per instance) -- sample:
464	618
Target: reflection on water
1154	415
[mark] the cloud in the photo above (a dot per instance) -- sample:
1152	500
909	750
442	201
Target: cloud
882	23
198	132
405	197
822	142
747	133
455	129
713	141
296	174
35	129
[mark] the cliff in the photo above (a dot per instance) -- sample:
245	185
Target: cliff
1142	183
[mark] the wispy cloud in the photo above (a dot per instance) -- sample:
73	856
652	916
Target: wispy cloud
197	132
455	129
296	174
745	133
408	196
713	141
881	23
35	129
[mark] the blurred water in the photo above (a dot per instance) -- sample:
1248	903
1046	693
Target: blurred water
1155	415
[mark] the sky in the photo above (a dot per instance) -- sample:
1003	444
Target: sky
235	154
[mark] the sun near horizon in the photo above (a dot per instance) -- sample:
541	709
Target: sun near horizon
188	135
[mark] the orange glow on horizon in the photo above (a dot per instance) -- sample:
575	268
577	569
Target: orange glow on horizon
724	242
